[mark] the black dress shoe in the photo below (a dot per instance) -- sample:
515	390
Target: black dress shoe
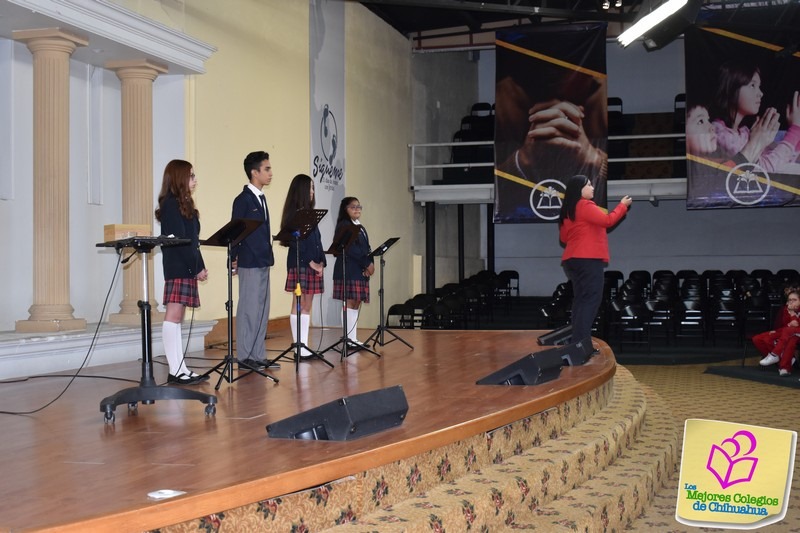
253	364
183	379
198	377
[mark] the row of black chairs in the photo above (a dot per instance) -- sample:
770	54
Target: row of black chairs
478	125
672	306
464	305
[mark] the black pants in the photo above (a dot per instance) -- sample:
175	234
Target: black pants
586	276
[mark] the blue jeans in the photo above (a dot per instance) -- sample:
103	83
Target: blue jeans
586	276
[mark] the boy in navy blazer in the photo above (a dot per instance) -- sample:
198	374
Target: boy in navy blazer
252	259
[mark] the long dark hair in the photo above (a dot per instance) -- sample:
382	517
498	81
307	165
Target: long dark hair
177	174
571	197
298	197
343	208
731	77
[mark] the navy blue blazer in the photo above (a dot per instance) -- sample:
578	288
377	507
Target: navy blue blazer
357	255
255	251
310	250
183	261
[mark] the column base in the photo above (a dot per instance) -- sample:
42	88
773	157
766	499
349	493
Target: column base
135	319
50	326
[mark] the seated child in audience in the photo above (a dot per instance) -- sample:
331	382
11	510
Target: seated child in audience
778	345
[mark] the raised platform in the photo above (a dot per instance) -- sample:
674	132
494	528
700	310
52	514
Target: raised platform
97	477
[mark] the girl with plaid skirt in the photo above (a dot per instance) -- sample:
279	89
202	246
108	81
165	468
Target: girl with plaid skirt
359	266
308	278
183	264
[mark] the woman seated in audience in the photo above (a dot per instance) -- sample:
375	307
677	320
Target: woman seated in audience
778	345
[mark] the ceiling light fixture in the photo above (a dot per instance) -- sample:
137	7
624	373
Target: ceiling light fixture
649	21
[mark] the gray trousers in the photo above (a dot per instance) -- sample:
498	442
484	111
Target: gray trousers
252	313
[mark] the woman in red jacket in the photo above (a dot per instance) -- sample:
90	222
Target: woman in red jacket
582	227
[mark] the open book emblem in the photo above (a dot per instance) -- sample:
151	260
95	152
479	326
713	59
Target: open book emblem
728	461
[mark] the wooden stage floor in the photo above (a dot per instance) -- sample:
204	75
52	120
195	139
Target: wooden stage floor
64	469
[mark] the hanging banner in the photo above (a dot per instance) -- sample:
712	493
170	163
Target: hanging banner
326	90
742	119
551	118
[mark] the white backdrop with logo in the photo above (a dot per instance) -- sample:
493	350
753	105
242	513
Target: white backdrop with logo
327	86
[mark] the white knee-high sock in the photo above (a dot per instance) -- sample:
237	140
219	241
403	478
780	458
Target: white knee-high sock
170	333
179	348
293	327
305	323
352	324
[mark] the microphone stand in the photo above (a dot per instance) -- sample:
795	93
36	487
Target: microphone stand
306	220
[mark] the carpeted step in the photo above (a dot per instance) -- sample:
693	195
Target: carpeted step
342	500
619	494
522	484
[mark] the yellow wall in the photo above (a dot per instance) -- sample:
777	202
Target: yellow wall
255	96
378	110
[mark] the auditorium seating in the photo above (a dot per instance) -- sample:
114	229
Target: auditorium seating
680	307
466	305
478	125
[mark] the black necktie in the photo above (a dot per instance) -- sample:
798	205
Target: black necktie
263	205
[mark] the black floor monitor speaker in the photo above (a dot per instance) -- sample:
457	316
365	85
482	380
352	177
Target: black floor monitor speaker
577	353
534	368
347	418
557	337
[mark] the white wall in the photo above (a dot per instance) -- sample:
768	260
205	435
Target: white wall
95	196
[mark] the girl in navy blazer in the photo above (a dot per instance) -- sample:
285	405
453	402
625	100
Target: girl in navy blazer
359	266
308	279
183	264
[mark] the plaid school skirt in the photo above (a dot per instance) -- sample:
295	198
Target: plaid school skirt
355	289
310	283
181	291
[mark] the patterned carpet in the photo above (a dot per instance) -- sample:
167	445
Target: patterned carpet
691	393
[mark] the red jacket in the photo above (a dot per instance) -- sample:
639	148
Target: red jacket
586	237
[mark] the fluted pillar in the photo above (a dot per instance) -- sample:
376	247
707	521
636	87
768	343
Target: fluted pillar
137	79
51	309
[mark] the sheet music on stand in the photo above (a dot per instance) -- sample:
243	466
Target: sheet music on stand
378	334
384	247
303	222
144	242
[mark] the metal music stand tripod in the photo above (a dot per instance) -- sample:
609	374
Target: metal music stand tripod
229	236
344	237
380	251
302	223
148	392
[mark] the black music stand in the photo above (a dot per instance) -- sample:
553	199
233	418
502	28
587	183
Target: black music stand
380	251
342	240
148	392
229	236
303	222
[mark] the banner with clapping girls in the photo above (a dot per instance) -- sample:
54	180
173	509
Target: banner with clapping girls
551	118
742	119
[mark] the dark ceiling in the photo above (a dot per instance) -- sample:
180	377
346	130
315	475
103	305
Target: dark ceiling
415	17
411	17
